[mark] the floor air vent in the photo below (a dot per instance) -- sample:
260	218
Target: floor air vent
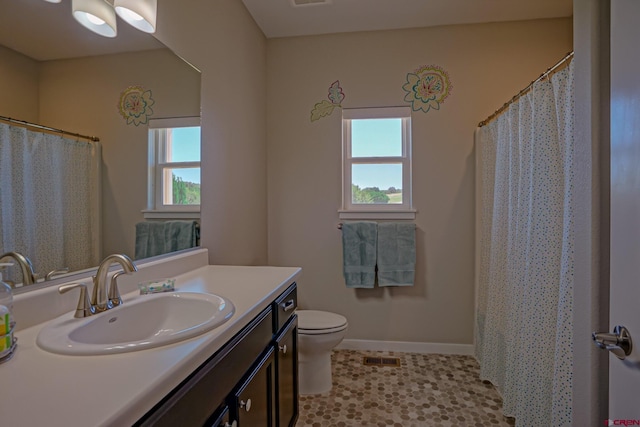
381	361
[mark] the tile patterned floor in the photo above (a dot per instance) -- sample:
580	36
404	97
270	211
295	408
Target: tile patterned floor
426	390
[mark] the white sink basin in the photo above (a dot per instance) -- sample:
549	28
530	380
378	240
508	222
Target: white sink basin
145	322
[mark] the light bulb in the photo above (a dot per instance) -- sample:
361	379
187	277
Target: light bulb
128	14
94	19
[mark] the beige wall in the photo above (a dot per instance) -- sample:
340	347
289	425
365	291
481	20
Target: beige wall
81	95
18	86
221	39
487	65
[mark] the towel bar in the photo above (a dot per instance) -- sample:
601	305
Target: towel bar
340	226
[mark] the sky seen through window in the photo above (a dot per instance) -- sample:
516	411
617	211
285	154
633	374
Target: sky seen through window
376	138
186	148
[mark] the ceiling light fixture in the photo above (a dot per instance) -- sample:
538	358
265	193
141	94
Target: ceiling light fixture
96	15
99	16
139	13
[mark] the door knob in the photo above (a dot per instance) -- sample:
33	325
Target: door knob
619	342
246	405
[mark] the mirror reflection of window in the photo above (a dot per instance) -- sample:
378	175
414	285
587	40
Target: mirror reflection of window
174	164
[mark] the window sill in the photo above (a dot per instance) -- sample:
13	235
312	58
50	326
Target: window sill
372	214
152	214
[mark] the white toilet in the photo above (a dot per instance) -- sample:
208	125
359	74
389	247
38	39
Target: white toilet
318	333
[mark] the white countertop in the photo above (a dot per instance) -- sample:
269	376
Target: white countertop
42	388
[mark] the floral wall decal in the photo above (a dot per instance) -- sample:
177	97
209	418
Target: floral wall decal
427	88
325	108
135	105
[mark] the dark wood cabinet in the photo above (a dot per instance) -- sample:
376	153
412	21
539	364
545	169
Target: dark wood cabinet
286	345
253	402
284	307
252	381
220	418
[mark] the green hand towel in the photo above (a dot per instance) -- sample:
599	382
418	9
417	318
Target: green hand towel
396	254
359	253
161	237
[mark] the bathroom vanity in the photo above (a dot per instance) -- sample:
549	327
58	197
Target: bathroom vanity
242	373
251	381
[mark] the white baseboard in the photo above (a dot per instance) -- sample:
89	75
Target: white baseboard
406	347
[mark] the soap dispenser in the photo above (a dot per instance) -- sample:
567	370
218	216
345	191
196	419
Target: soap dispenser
7	340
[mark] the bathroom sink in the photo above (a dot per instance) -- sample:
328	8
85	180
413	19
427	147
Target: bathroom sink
144	322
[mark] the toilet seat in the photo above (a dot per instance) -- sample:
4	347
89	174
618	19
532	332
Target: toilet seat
315	322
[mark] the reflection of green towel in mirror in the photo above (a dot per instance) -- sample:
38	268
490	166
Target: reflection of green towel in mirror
161	237
359	253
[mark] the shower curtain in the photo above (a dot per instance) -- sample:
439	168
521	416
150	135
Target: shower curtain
525	238
49	199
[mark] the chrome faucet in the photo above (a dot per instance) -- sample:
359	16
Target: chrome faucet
99	299
50	275
28	276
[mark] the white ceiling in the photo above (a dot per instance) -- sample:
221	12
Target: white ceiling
46	31
279	18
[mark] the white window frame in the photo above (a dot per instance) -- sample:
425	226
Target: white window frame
155	205
402	210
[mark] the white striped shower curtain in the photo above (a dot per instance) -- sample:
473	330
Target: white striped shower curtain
49	194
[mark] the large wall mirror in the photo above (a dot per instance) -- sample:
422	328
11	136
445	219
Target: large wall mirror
56	73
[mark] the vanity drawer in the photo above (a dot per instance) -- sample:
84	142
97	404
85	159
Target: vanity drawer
284	307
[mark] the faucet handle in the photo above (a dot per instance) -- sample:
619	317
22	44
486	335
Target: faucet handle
50	275
114	293
84	308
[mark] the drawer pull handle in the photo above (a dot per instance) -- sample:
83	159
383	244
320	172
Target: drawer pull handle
246	405
283	348
289	305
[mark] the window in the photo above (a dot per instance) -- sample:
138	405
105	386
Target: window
174	168
376	145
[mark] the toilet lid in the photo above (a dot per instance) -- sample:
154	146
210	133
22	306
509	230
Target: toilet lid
314	320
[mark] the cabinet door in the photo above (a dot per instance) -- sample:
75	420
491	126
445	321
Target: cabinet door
221	419
287	375
253	402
